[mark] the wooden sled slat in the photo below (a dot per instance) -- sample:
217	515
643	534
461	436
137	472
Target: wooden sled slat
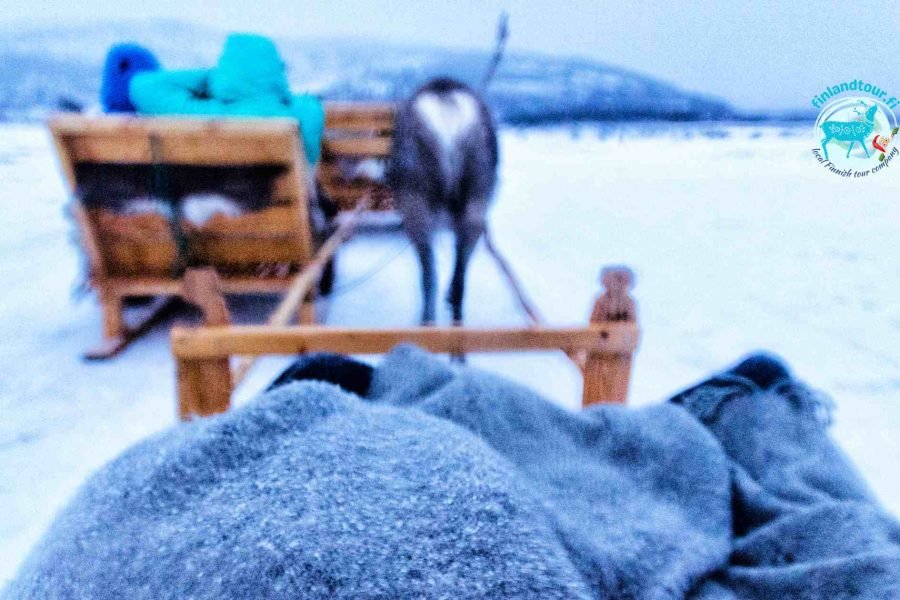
375	147
183	141
358	117
211	342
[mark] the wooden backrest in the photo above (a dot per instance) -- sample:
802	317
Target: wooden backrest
355	132
184	141
143	244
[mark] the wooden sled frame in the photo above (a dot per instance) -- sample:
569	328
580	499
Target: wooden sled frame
134	263
206	376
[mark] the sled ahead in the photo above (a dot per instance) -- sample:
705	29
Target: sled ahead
261	251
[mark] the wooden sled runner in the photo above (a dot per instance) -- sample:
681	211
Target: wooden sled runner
262	251
603	349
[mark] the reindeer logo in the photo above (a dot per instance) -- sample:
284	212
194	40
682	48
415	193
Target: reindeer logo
850	131
862	125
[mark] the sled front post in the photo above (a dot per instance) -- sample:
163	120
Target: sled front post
607	374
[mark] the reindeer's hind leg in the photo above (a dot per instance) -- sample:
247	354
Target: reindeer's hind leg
825	141
426	260
850	148
468	227
418	221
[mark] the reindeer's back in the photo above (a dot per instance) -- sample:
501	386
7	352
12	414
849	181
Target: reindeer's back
445	146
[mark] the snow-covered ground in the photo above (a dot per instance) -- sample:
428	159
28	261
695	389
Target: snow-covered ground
739	239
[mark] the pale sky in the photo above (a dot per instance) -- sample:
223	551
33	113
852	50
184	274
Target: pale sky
759	54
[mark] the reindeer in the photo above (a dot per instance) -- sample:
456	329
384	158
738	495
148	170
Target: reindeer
849	131
443	161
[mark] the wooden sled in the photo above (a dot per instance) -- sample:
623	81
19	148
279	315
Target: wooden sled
258	252
603	349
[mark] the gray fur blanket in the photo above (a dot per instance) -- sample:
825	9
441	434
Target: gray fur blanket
447	483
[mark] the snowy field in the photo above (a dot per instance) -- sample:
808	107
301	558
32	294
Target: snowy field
739	239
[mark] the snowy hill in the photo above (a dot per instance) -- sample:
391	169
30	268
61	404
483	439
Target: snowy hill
39	67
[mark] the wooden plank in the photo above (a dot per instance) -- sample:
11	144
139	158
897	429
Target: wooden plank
329	171
212	342
124	256
356	116
140	226
69	124
131	148
133	244
126	139
278	221
148	286
212	150
241	150
241	252
378	147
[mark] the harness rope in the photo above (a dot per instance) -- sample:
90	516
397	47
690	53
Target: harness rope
161	187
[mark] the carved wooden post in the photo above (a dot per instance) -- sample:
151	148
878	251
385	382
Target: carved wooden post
606	376
204	386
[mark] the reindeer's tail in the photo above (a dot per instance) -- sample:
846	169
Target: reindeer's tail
499	47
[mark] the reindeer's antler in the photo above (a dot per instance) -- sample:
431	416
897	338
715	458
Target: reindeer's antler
499	47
